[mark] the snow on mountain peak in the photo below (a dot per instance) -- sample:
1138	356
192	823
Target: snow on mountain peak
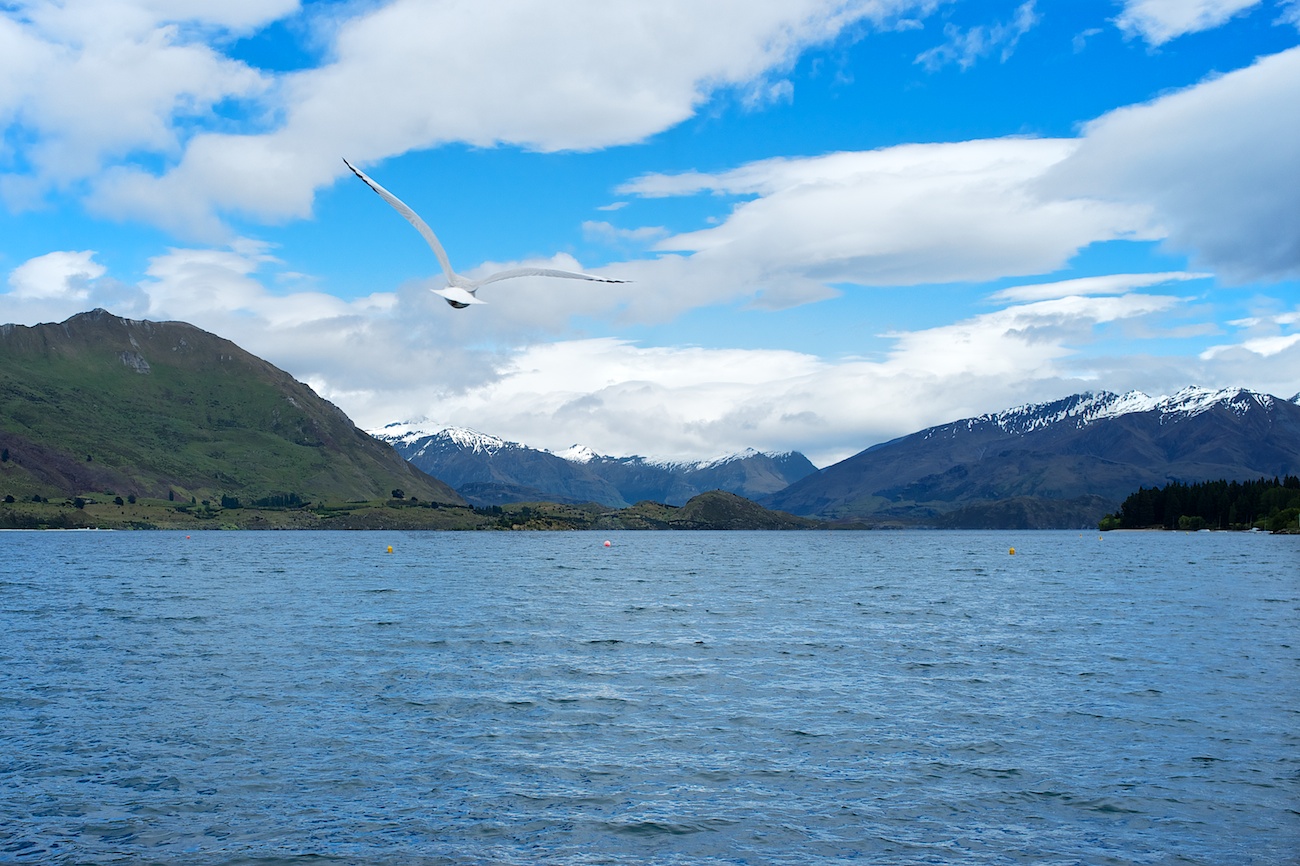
410	433
1083	409
722	460
401	432
1189	402
584	454
472	440
577	454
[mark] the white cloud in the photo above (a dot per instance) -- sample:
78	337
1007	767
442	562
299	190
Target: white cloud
1217	163
692	402
1263	346
965	48
899	216
1211	170
1107	284
1026	339
1264	335
412	74
605	232
1158	21
90	83
61	275
83	21
764	93
1080	40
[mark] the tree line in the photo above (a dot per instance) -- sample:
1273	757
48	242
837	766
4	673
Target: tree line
1272	504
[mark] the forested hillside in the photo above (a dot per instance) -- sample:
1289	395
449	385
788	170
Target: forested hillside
1265	504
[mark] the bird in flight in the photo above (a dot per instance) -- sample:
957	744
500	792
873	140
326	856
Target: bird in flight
460	291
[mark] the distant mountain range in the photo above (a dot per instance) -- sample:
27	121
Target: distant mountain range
1061	464
165	410
488	470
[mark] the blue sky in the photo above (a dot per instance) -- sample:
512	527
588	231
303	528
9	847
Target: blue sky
844	220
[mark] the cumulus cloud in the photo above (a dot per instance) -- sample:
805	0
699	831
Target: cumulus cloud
59	274
90	83
694	402
1218	164
404	75
898	216
1209	170
1158	21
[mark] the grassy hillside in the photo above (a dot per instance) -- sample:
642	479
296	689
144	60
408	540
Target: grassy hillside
164	410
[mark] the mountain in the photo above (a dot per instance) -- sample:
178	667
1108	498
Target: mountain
163	409
1061	464
487	470
750	473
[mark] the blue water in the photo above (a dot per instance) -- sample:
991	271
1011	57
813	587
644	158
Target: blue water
911	697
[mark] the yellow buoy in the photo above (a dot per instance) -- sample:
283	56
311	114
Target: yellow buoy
1012	551
390	548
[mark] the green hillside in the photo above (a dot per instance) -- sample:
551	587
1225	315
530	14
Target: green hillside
164	410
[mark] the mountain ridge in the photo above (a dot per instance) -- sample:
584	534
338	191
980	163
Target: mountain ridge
1066	462
489	470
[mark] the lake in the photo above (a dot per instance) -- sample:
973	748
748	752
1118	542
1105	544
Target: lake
676	697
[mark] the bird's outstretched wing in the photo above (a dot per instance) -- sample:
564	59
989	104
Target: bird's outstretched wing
411	217
543	272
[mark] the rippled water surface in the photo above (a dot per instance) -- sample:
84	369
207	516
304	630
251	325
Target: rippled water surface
673	698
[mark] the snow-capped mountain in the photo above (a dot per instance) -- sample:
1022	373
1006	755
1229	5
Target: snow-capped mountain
1089	407
578	454
1062	463
406	435
749	473
488	470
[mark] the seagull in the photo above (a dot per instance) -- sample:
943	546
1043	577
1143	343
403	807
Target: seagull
460	291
